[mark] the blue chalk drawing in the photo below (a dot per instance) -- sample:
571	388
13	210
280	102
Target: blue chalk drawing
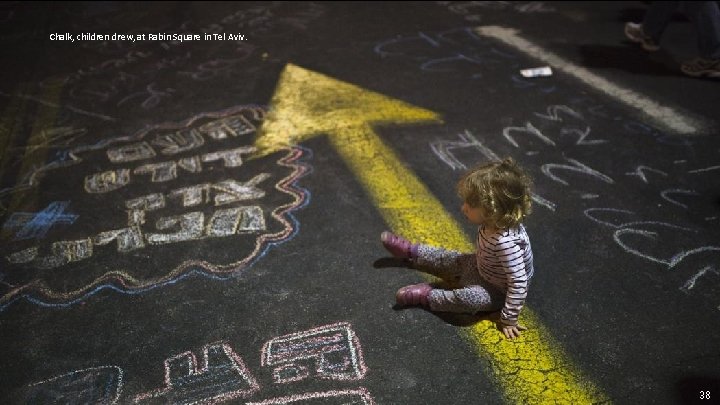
37	225
223	377
99	385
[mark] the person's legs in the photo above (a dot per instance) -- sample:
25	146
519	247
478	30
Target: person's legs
453	267
449	265
658	17
705	15
634	32
446	264
648	33
456	268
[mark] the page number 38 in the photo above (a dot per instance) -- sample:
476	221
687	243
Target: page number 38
704	394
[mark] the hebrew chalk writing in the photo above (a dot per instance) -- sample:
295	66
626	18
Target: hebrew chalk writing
658	237
642	170
455	50
166	186
443	150
329	353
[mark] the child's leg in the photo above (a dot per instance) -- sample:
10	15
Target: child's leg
446	264
470	299
475	294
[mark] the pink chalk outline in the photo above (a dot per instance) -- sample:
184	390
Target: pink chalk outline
323	345
362	393
239	366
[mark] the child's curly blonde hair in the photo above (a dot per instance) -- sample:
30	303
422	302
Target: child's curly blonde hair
501	188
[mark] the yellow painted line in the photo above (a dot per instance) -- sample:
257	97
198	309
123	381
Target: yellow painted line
531	369
10	122
35	154
672	118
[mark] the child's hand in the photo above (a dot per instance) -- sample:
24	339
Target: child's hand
512	331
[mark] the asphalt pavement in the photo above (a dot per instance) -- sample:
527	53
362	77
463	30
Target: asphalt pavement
192	195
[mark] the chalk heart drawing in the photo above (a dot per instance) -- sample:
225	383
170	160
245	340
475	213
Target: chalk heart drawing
645	238
172	201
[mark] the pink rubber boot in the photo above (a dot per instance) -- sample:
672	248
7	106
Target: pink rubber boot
416	294
398	246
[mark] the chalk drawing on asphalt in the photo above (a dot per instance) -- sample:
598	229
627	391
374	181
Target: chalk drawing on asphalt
208	193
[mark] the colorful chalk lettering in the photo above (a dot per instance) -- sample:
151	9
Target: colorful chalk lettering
221	374
215	193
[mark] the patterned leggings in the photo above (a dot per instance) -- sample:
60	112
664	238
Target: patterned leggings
459	270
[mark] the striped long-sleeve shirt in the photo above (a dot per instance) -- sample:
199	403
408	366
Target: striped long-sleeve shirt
505	260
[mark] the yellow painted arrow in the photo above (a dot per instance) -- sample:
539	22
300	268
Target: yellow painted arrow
37	145
531	369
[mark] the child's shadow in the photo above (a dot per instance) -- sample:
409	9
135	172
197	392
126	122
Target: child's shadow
448	317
